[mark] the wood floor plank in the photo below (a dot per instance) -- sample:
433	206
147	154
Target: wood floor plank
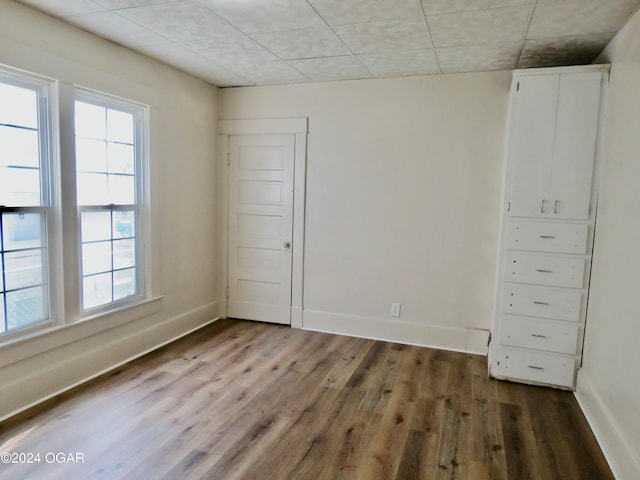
250	401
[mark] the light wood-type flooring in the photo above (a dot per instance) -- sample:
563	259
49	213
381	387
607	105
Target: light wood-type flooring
245	400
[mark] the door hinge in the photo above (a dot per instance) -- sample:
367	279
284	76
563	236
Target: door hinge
489	340
518	87
228	158
508	206
226	292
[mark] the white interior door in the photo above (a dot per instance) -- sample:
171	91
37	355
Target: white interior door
260	227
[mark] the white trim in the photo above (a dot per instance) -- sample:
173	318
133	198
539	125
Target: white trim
108	369
281	126
456	339
296	317
623	461
263	126
41	341
604	67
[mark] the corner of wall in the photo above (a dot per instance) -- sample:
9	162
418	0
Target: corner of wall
624	464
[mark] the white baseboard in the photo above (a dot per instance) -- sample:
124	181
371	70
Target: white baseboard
410	333
624	462
193	320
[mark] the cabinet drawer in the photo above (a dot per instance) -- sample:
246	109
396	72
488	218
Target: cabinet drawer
533	366
547	237
547	302
544	270
551	336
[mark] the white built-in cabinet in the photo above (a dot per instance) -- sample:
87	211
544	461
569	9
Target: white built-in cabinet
548	223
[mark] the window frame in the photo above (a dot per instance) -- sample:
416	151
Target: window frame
48	145
140	114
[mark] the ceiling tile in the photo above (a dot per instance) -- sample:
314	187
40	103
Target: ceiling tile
258	16
223	77
496	25
387	36
577	17
174	55
63	8
573	50
180	22
114	27
398	64
117	4
231	50
342	12
497	56
269	73
330	68
307	43
436	7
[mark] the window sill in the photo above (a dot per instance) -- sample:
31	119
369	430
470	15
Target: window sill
35	343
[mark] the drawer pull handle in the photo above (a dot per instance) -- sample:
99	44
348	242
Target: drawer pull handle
547	236
537	335
541	303
535	368
555	206
544	271
542	206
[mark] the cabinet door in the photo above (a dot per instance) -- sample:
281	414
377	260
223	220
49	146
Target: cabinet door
575	145
531	144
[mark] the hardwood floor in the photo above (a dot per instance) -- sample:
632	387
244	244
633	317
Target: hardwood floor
245	400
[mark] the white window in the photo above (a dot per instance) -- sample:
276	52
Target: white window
110	141
25	202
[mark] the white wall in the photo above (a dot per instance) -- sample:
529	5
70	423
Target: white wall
403	194
184	237
608	383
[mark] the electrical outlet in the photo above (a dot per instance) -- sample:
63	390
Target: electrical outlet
395	309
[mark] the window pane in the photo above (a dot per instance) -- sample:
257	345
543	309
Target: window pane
124	224
1	276
2	328
122	189
24	268
22	230
97	290
96	226
119	126
91	155
19	147
121	158
19	106
124	283
19	187
25	307
91	121
124	253
96	257
92	189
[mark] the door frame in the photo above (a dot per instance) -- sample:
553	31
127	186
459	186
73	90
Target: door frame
298	127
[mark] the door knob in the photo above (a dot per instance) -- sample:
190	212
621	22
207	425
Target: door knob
287	245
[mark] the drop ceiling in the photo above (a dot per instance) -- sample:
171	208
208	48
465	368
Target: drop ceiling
262	42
